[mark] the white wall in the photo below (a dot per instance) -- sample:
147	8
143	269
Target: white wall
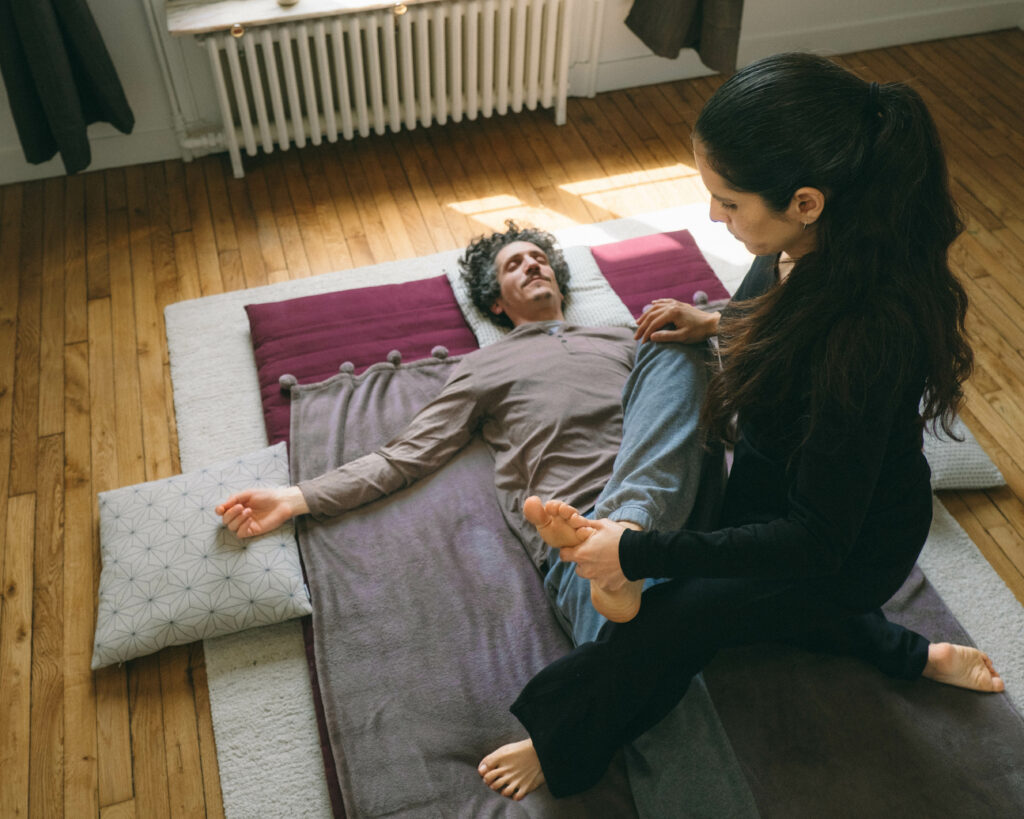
126	33
824	26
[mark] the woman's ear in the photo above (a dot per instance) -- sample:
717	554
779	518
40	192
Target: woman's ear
806	205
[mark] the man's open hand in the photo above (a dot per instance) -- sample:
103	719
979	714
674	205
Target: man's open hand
258	511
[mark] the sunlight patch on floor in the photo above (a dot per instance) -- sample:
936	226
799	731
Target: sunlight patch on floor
488	204
490	213
603	197
649	176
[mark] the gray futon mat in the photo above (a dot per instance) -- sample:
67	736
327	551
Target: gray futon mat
429	617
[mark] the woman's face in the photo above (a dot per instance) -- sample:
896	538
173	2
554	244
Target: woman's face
763	231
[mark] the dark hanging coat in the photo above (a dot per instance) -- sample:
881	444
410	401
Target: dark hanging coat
59	78
710	26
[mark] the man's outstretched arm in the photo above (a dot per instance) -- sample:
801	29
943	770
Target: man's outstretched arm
255	512
431	439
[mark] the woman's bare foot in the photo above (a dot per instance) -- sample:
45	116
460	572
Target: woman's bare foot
552	522
513	770
962	666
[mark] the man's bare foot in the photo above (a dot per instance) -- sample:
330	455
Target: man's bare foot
561	525
552	522
618	605
513	770
962	666
621	605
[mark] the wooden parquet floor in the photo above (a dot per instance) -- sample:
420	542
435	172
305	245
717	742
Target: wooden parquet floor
87	264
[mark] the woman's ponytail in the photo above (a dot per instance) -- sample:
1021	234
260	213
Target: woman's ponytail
877	290
906	155
905	164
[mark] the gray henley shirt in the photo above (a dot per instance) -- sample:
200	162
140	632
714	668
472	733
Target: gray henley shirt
547	400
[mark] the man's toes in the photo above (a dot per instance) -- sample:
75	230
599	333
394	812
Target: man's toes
554	508
535	512
576	520
565	511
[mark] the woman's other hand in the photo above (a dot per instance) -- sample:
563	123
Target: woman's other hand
691	324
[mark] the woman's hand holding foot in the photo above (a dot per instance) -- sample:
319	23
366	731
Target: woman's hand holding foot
597	560
562	527
597	557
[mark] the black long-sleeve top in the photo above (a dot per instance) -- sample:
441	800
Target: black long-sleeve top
796	508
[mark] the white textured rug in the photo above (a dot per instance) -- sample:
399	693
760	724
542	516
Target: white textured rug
267	744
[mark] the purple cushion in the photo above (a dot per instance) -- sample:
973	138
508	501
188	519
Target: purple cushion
310	337
666	265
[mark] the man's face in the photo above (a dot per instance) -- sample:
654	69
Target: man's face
529	290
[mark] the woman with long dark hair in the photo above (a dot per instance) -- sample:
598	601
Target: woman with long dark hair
844	340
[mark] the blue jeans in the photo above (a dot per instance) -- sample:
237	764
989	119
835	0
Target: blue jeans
663	478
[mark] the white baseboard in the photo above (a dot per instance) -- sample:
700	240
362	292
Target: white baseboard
845	38
648	70
109	150
897	29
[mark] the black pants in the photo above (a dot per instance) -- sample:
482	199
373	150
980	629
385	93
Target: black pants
583	707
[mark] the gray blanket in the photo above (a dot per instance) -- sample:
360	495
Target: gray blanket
429	618
829	736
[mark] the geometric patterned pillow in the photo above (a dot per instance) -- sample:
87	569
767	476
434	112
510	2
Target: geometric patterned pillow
959	464
173	574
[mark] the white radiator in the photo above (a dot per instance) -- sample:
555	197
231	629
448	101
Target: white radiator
387	68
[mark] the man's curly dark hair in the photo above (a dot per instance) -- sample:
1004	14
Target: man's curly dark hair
477	266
